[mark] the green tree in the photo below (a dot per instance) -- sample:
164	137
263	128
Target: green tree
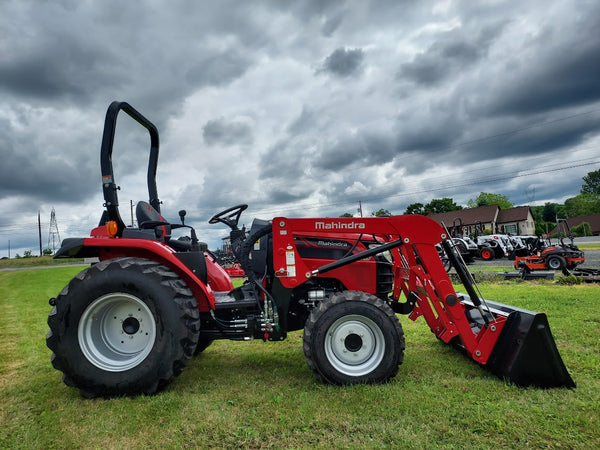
441	205
346	215
551	211
542	228
583	229
538	213
485	198
591	183
582	205
415	208
47	251
381	213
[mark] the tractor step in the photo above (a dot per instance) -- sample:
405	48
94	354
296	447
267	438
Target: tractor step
225	301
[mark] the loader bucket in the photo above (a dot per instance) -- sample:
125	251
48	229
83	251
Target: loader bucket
525	352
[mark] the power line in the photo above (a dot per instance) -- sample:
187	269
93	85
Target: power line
476	140
29	229
438	188
21	229
519	130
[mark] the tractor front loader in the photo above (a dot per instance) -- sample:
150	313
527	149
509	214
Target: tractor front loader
130	323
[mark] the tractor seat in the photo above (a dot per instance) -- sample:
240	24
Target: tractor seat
148	217
144	213
193	260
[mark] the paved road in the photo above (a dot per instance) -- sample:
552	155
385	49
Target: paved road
592	259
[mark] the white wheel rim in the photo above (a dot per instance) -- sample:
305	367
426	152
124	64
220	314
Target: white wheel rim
354	345
116	332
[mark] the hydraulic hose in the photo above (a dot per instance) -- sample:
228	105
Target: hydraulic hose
247	247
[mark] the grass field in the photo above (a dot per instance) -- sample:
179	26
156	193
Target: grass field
589	246
37	261
263	394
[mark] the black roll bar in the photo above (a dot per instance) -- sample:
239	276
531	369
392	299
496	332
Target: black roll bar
109	186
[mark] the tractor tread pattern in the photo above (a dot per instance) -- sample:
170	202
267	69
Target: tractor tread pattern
349	296
189	316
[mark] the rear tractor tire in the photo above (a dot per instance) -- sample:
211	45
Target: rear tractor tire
353	338
125	326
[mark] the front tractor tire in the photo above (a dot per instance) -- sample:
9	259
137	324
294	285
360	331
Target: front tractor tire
353	338
125	326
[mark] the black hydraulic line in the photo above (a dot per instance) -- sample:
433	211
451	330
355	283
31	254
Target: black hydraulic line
350	259
244	258
349	252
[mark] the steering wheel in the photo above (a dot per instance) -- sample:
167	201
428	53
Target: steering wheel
230	216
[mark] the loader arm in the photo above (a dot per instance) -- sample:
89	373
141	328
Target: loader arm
418	268
466	321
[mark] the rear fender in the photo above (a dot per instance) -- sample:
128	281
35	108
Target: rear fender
108	248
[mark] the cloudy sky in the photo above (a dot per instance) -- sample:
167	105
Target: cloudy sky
297	108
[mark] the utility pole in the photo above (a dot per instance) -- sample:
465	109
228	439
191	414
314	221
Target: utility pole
40	232
131	207
360	208
9	249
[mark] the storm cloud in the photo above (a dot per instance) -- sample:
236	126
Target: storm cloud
344	62
296	108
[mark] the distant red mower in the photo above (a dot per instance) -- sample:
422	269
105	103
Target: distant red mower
235	271
563	257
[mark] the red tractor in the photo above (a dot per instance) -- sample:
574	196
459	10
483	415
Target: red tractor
130	323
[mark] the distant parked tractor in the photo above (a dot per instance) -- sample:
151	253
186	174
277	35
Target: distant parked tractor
494	246
227	260
467	248
520	246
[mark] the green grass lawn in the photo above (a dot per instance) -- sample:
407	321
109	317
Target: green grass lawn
589	246
37	261
264	395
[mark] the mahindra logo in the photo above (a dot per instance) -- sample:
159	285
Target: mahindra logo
339	226
332	244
